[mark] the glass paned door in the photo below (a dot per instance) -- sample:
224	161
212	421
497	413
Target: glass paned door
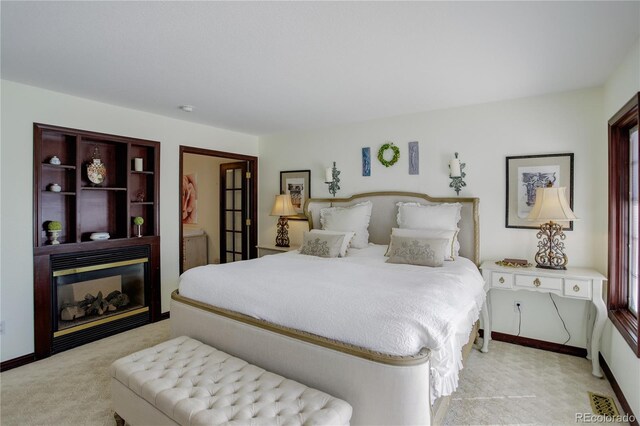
233	212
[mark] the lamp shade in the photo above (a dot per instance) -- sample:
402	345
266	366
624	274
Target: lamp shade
282	206
551	204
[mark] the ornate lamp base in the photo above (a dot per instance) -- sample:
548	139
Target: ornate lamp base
550	247
282	236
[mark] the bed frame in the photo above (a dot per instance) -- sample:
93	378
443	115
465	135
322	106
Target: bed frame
382	388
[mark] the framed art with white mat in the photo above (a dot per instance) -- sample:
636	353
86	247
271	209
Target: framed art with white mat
525	174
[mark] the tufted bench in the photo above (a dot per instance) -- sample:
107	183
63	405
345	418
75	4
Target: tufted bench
183	381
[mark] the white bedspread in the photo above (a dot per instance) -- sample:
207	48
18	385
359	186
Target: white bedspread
359	299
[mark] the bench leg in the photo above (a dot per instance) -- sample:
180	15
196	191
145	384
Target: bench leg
119	420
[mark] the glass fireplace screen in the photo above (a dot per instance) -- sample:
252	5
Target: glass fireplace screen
92	295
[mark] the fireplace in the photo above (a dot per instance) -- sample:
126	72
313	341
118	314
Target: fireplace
95	294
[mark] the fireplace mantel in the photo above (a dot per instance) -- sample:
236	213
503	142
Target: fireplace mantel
44	311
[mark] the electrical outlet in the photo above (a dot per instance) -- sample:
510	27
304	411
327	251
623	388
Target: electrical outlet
517	304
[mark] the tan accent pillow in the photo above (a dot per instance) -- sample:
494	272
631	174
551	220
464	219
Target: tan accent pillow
321	245
417	251
346	242
450	236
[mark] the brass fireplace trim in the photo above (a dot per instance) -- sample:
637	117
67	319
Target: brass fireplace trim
100	321
98	267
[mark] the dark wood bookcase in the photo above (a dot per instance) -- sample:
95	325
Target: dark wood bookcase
83	208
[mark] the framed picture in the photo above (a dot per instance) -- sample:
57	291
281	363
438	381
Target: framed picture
296	183
527	173
190	198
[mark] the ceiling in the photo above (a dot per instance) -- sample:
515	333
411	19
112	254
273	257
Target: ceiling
269	67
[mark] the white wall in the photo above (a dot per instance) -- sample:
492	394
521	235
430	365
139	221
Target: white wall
23	105
624	364
483	135
207	169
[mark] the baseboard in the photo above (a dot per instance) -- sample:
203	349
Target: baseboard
17	362
165	315
537	344
616	389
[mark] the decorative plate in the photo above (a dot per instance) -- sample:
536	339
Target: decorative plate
96	172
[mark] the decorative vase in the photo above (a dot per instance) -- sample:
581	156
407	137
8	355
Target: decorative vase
139	231
55	161
54	187
53	237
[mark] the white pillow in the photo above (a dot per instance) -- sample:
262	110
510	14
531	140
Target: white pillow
432	216
349	219
346	242
450	236
321	245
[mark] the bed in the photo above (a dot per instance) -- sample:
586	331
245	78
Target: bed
332	335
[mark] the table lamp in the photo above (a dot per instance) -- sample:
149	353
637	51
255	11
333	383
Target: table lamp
282	207
551	205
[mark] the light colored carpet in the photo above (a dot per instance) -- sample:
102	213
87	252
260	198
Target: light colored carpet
509	385
72	387
516	385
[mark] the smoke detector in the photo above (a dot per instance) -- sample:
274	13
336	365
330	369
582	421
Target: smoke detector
186	108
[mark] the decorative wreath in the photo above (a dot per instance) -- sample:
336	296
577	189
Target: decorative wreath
383	149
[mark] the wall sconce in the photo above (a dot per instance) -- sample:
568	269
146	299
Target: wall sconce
283	207
331	178
457	174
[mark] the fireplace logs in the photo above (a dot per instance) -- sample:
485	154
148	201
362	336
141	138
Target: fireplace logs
94	305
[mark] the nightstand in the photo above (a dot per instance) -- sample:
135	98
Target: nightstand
267	249
574	283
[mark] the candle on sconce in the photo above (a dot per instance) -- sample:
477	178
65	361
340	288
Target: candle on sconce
454	168
328	177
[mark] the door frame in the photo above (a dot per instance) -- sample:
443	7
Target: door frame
252	190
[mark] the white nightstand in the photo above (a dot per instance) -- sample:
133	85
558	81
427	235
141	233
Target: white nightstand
574	283
267	249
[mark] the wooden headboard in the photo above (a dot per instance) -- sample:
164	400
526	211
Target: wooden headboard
384	213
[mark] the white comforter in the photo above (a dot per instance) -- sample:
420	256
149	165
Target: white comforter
359	299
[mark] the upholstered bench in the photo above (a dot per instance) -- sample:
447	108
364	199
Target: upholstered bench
183	381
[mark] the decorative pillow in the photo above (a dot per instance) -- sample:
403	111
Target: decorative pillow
346	242
349	219
450	236
417	251
431	216
321	245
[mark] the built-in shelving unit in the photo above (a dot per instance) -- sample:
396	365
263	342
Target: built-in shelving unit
83	207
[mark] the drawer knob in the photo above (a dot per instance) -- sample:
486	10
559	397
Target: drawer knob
501	280
537	282
576	288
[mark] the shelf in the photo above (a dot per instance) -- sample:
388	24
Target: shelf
58	193
104	207
103	188
58	166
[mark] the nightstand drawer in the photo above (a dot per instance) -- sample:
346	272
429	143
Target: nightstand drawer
577	288
501	280
531	281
